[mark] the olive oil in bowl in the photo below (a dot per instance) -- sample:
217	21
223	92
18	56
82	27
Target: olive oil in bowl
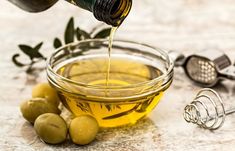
138	76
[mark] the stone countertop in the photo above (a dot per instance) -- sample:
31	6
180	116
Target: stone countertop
183	25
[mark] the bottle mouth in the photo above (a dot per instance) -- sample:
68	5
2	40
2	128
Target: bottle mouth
112	12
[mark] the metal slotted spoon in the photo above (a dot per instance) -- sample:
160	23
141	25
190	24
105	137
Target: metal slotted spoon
205	67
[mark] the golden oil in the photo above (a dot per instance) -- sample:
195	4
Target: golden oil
111	36
127	106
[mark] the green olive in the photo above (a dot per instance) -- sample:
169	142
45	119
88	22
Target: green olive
83	129
51	128
34	107
44	90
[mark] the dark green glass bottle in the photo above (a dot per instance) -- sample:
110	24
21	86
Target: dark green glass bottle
112	12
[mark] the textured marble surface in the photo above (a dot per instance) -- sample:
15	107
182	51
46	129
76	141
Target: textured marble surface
182	25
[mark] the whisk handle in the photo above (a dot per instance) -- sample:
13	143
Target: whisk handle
230	111
227	112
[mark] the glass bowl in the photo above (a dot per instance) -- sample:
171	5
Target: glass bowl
139	74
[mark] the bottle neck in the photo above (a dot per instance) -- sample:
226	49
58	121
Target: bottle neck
112	12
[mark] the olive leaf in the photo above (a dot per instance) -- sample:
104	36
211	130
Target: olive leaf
32	52
57	43
16	62
78	34
103	33
85	107
69	32
36	49
30	69
81	34
108	107
111	107
27	50
140	108
144	106
122	113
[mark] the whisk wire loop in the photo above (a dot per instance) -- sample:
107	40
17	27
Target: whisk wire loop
200	119
191	113
205	121
206	110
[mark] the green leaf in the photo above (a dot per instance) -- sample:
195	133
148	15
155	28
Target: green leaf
78	34
28	50
103	33
57	43
32	52
16	62
39	55
37	47
108	107
122	113
69	32
82	35
30	69
144	106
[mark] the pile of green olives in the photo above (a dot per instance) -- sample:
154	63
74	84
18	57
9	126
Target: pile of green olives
43	112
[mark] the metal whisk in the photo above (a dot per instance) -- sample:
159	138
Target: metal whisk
207	110
206	67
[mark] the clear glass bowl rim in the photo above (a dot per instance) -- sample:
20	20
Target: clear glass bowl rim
168	74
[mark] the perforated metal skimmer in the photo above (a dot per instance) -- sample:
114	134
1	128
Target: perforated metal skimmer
206	67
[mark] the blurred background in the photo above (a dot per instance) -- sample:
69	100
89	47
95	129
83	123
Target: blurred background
182	25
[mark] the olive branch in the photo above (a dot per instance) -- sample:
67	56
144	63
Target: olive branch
71	34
